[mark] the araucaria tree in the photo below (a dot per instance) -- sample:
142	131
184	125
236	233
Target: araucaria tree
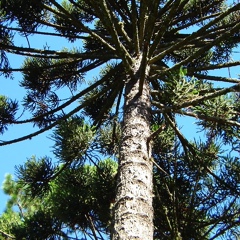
155	56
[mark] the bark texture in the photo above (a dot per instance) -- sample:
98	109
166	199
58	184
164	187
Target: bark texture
133	209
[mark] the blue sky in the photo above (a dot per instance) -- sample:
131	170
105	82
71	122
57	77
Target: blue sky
18	153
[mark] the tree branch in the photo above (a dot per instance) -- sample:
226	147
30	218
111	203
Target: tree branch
50	126
65	14
196	34
186	144
195	101
209	118
215	78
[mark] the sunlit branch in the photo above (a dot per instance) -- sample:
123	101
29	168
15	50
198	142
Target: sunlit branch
118	25
193	196
82	8
215	66
150	23
134	18
145	48
92	227
222	218
111	98
161	169
60	27
78	72
215	32
215	78
193	23
175	128
6	235
53	34
143	17
120	10
157	195
217	221
209	118
83	69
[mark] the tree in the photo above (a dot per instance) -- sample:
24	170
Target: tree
150	62
78	201
76	204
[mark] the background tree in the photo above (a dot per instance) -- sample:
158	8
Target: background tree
151	62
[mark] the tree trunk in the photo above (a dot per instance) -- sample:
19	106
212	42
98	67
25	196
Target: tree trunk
133	211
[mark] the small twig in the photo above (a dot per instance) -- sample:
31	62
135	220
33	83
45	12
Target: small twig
161	169
26	38
92	227
154	134
6	235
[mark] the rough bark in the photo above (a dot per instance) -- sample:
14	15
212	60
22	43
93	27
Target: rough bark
133	211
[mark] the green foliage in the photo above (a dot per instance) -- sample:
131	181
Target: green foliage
181	88
64	71
82	195
102	105
220	109
6	38
24	216
72	138
41	95
109	138
8	109
221	106
93	44
205	7
164	141
82	14
78	198
39	224
27	14
37	174
7	221
188	198
106	38
85	192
